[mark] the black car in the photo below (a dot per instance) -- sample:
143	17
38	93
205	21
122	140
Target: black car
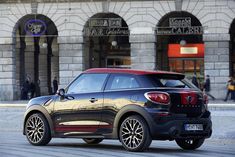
133	106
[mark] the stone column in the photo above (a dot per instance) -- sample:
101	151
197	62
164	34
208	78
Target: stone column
217	62
7	73
143	50
71	62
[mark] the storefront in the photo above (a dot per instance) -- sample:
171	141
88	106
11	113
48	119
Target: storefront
180	47
106	37
37	61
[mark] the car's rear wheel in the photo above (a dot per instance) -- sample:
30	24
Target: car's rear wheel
190	144
92	140
37	130
134	134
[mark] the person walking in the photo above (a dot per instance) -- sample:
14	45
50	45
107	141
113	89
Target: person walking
207	87
194	81
25	90
32	89
55	84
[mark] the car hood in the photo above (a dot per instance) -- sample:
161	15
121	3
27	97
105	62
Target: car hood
40	100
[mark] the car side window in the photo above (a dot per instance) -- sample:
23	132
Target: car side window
87	83
124	82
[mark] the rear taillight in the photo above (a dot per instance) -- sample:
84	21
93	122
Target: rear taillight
158	97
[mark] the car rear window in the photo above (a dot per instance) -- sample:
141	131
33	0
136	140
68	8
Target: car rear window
170	81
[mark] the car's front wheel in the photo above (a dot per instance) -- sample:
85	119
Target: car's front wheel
190	144
37	130
134	134
92	140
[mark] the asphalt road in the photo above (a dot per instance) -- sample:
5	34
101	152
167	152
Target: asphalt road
14	144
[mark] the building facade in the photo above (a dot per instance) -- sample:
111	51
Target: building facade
43	39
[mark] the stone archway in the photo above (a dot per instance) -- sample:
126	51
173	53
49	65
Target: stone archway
232	49
180	44
36	53
106	42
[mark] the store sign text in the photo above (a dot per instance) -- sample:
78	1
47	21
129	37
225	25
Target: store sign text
180	26
35	27
105	27
97	31
105	22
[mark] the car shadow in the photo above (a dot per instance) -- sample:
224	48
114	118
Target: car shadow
120	148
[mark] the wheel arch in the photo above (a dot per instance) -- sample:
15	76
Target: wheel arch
39	109
129	111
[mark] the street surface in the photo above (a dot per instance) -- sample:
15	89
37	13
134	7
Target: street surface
14	144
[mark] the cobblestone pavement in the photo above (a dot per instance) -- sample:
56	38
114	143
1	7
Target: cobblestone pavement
14	144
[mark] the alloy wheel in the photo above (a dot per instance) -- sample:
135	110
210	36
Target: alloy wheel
35	129
132	133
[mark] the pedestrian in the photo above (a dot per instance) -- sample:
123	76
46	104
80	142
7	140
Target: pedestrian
25	90
55	84
194	81
207	87
32	89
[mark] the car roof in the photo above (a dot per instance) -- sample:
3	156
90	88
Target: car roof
128	71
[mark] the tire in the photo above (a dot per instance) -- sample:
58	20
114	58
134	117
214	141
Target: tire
37	130
190	144
92	140
134	134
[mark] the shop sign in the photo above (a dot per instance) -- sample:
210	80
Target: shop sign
105	22
35	27
180	26
105	27
99	31
186	51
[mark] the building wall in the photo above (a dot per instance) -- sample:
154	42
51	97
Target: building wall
141	18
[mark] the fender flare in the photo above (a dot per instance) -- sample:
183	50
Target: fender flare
128	109
41	109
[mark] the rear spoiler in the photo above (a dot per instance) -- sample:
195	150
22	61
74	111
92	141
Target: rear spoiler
173	76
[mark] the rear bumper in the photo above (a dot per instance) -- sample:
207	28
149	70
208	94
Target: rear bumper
172	127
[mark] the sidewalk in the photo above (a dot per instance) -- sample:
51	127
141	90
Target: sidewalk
213	105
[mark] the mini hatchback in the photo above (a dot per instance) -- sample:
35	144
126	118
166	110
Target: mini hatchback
132	106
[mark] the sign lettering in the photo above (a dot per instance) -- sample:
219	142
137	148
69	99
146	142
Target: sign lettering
180	26
35	27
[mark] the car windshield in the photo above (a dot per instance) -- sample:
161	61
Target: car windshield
170	81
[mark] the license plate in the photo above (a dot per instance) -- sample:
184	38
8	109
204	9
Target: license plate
193	127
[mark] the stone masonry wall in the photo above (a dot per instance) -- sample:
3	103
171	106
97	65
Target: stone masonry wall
7	72
217	63
71	62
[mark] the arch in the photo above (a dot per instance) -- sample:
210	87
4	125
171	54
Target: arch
106	41
36	53
180	31
232	49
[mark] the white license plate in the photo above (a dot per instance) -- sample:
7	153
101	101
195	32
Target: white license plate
193	127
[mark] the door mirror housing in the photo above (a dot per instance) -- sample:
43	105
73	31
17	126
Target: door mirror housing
61	92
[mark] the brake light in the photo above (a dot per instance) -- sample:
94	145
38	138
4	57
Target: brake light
158	97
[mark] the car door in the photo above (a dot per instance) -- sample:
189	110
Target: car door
79	111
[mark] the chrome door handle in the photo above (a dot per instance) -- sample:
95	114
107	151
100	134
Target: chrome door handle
92	100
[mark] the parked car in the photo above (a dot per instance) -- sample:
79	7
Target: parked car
133	106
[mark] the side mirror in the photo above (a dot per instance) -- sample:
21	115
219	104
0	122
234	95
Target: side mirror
61	92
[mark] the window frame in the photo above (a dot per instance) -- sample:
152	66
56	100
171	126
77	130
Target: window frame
102	89
111	78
